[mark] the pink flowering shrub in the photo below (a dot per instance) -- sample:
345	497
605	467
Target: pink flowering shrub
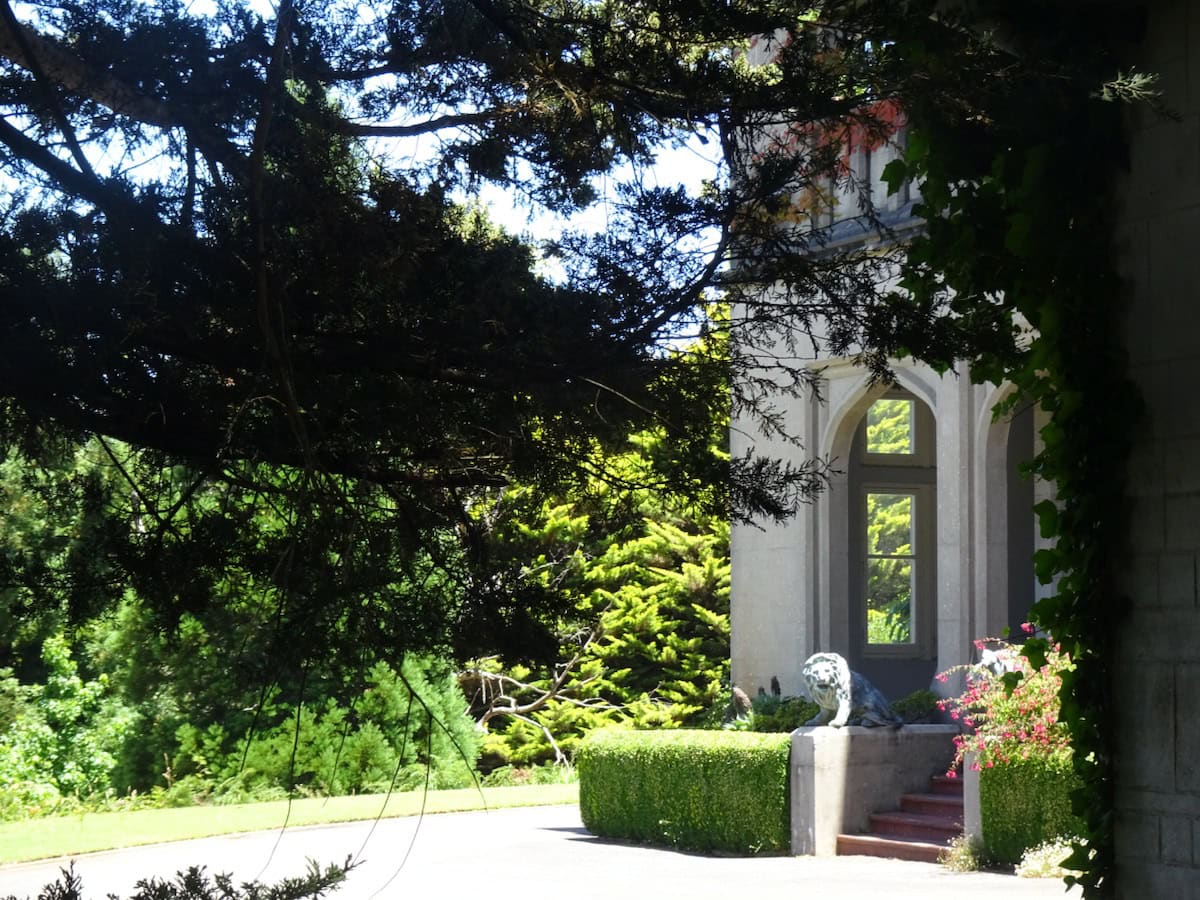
1011	714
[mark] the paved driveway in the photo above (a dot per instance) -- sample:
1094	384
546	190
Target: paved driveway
522	853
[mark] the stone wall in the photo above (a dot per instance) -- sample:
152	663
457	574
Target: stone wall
1158	681
839	776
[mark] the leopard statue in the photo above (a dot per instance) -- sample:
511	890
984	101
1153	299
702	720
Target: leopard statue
845	697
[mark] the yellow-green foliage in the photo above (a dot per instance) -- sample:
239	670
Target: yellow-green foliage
696	790
1025	803
653	583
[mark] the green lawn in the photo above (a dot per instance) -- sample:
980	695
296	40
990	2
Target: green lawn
88	832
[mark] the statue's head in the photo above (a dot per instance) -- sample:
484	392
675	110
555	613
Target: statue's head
824	674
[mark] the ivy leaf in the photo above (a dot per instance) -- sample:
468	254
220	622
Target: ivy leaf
918	146
1018	240
894	175
1035	650
1047	514
1079	860
1010	681
1045	565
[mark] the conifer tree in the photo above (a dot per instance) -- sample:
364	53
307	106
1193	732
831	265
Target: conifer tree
648	642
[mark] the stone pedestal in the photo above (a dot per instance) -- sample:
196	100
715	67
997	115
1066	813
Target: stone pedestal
839	776
972	814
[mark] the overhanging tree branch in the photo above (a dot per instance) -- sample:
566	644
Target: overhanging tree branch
28	48
80	184
441	123
9	22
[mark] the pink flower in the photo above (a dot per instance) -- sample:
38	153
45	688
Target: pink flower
1005	725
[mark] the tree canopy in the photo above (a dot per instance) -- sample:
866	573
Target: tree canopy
220	246
232	252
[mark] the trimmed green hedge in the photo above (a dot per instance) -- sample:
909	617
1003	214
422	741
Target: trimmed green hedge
695	790
1024	803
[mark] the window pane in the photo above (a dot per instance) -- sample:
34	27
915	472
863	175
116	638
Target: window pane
889	524
890	426
889	601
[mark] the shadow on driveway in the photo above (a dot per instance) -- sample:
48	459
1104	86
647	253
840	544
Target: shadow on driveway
513	854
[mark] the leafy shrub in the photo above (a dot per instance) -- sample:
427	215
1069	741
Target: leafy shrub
550	773
12	701
390	734
1026	802
696	790
919	706
60	743
1012	716
966	854
196	884
20	799
1021	749
772	713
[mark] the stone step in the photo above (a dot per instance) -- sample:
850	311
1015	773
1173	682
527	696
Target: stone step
920	830
946	805
889	847
944	784
923	827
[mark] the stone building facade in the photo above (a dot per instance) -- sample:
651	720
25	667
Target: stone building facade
932	522
805	585
965	511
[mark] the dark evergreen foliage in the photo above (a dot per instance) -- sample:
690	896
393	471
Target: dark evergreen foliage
303	325
334	362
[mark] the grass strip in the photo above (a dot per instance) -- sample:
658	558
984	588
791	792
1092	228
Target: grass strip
89	832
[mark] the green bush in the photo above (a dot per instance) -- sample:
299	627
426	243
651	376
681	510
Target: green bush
917	707
387	735
773	713
60	741
514	776
1025	803
696	790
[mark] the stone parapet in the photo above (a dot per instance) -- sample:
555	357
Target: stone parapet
839	776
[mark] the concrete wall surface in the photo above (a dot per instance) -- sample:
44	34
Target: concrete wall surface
839	776
1157	671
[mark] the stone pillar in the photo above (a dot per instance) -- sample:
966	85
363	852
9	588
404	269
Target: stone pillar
956	521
